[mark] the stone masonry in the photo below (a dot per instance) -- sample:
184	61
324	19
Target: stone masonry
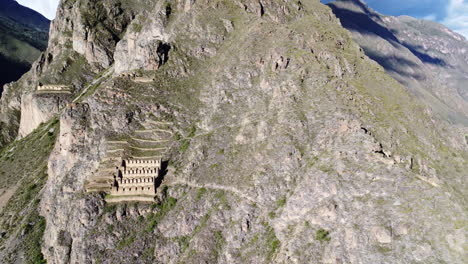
54	88
131	168
136	177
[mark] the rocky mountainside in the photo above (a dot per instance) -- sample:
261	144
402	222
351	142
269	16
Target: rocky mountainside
426	57
287	143
23	36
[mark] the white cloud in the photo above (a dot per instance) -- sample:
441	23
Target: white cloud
457	16
45	7
431	17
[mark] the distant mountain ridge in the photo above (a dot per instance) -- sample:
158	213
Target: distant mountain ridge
428	58
23	36
23	15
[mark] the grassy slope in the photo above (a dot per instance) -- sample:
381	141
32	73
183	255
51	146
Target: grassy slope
23	163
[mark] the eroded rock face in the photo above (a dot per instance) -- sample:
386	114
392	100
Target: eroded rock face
37	109
66	165
145	46
92	28
9	115
288	145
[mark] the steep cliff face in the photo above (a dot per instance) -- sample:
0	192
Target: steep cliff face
426	57
288	145
82	42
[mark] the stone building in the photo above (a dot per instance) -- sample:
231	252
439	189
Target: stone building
54	88
136	178
131	170
136	77
143	79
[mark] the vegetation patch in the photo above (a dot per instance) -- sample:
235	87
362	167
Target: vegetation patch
185	141
136	27
383	250
126	242
223	201
34	231
154	218
273	243
219	243
322	235
272	215
200	193
281	202
23	163
184	242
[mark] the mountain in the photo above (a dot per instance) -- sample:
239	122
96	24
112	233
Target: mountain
23	36
10	9
426	57
277	139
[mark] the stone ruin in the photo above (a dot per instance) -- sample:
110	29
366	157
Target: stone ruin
143	79
131	169
136	177
136	77
133	180
54	88
129	74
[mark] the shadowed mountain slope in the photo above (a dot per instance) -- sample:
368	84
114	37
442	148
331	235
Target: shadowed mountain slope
426	57
23	36
23	15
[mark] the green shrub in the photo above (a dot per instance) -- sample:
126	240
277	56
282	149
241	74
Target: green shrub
184	242
322	235
272	215
281	202
126	242
28	165
110	208
154	218
192	132
185	145
214	166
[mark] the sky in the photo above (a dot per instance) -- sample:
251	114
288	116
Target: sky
45	7
452	13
